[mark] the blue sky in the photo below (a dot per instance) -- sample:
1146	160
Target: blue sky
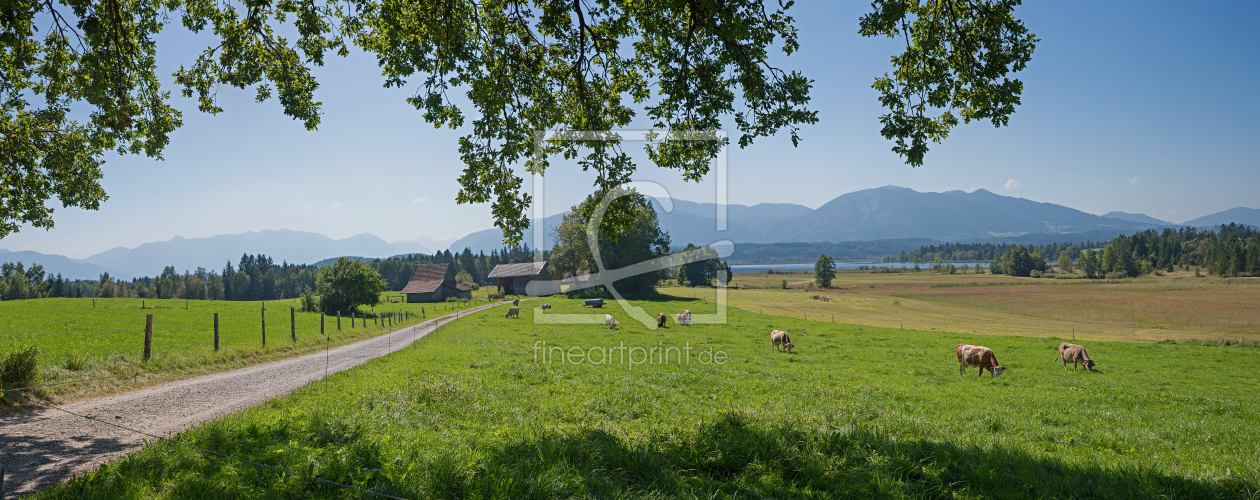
1142	107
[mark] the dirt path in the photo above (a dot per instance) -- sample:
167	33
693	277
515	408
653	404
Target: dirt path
49	445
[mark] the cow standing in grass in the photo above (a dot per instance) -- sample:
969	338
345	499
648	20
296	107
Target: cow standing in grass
1075	354
980	357
683	318
780	338
610	321
513	312
660	320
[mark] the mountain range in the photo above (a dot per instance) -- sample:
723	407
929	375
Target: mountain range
149	259
887	213
890	213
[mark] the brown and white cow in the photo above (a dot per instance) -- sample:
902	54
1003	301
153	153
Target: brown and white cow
780	338
513	311
1075	354
683	318
610	321
660	320
545	306
978	356
516	302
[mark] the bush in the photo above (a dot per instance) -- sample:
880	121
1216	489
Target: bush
783	285
20	369
1034	273
1117	275
309	302
74	362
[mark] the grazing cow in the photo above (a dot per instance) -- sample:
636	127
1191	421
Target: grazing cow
514	311
1075	354
980	357
660	320
780	338
610	321
516	302
683	318
545	306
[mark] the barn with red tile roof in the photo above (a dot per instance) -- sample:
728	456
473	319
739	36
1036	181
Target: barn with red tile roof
434	283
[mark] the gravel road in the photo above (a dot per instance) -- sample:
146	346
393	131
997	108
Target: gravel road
46	446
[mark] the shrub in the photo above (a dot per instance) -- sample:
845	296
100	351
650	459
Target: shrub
1034	273
309	302
74	362
783	285
20	368
1116	275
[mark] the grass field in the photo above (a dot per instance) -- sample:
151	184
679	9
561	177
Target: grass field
83	339
474	410
1177	307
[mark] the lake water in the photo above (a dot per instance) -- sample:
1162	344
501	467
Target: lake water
757	268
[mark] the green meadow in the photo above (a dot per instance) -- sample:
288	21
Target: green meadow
484	408
85	338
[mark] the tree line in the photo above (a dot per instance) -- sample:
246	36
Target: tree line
1228	251
254	277
469	268
980	252
19	282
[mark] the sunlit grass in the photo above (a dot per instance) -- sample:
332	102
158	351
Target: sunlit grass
87	338
857	412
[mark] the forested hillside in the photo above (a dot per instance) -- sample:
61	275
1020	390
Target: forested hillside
254	277
1227	251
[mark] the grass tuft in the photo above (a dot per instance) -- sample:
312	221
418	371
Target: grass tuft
20	368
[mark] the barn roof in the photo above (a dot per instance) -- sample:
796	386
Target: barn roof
522	269
427	278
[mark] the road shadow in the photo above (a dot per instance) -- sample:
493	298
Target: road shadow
734	456
28	461
737	457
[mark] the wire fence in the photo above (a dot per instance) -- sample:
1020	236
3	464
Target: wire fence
431	324
116	327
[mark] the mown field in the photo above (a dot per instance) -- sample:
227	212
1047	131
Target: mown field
477	409
82	339
1179	306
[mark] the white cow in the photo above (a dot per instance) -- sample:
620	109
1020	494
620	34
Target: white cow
683	318
780	338
610	321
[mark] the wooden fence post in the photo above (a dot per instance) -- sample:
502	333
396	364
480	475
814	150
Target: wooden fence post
339	321
263	312
352	320
216	331
292	325
321	323
148	336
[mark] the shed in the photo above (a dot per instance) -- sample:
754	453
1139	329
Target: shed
434	283
512	278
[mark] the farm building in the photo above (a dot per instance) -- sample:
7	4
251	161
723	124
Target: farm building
512	278
434	283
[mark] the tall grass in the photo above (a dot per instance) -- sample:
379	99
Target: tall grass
20	368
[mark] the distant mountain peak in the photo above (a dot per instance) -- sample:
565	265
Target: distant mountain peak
1143	218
